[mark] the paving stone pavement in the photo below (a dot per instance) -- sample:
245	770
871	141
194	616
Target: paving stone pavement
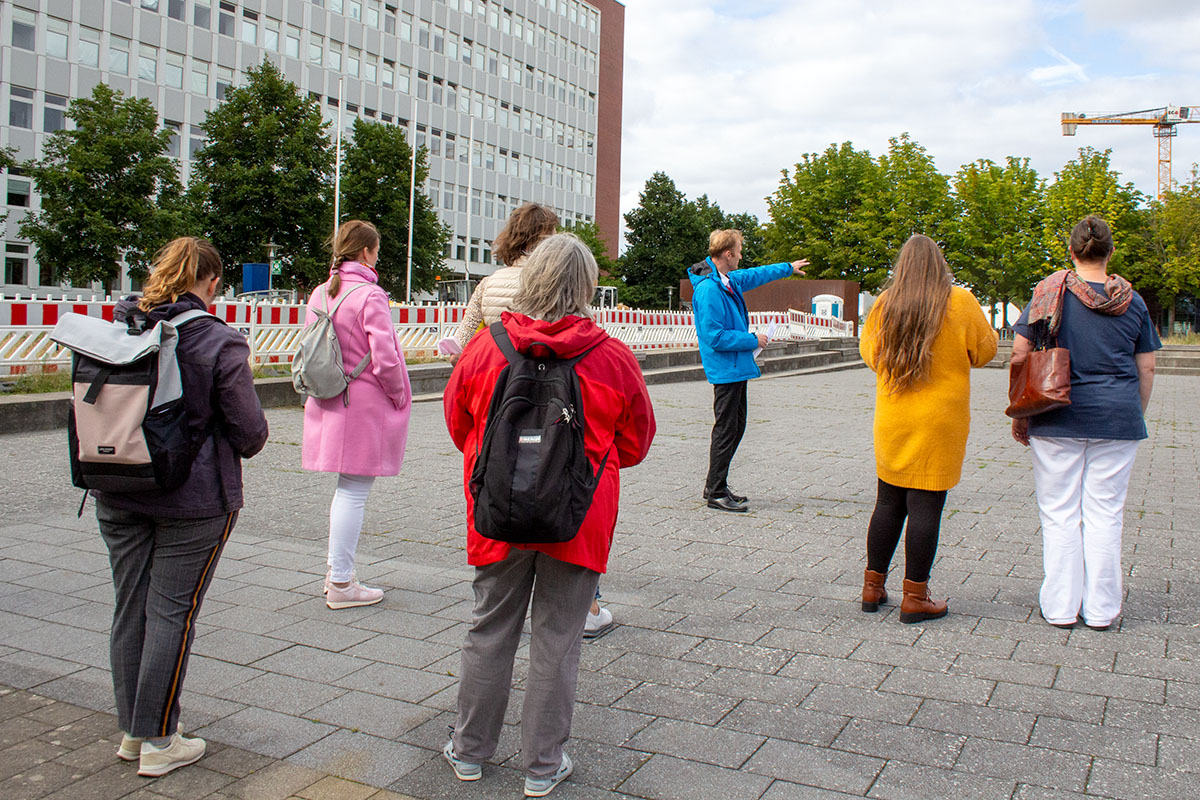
742	666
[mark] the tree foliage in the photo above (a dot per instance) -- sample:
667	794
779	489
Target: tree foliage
995	243
848	213
109	193
828	209
375	187
265	175
1089	185
1172	237
666	235
589	233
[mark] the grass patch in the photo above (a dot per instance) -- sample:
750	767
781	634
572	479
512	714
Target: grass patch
1187	338
40	383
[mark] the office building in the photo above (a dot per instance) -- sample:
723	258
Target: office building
516	101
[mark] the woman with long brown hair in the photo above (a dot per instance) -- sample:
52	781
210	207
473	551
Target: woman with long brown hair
360	436
921	338
164	544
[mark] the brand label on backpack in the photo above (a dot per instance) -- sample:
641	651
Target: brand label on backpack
532	482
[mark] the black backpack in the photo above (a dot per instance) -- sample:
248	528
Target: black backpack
532	482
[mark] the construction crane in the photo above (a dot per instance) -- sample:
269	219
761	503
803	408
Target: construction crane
1164	120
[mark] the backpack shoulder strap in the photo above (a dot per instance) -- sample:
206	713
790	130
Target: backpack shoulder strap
196	313
345	294
500	335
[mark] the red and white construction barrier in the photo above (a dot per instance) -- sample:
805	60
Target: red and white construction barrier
273	329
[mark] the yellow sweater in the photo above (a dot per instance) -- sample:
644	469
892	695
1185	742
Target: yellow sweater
921	434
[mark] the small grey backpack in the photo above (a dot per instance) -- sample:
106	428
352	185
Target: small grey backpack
317	369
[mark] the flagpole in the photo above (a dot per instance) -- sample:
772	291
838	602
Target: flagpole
470	197
412	196
337	170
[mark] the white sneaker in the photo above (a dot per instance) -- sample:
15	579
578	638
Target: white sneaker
131	746
540	787
181	751
351	595
597	624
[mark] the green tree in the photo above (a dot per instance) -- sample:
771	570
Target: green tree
754	243
829	209
109	193
1173	228
264	175
1088	185
375	186
589	233
666	235
916	197
995	243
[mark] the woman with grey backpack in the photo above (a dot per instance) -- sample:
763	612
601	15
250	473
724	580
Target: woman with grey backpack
359	433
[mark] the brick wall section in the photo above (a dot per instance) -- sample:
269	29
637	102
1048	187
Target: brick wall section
608	125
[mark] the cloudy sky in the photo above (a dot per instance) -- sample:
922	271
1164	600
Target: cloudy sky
723	94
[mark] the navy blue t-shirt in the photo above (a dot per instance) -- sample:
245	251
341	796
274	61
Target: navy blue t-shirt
1105	402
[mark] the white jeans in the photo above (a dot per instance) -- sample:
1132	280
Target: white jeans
1081	486
345	523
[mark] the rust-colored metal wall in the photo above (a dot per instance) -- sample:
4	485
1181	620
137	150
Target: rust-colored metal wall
797	294
608	125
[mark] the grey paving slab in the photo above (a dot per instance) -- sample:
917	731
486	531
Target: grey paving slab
741	667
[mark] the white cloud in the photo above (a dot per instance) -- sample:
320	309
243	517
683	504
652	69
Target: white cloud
723	102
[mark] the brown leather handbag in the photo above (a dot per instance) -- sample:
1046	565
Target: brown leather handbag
1042	382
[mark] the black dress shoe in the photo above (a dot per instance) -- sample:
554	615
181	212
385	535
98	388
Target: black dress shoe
726	503
737	498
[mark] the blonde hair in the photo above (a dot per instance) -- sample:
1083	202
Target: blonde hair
347	243
720	241
176	269
558	279
526	226
910	312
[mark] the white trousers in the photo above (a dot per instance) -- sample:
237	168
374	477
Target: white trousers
345	523
1081	486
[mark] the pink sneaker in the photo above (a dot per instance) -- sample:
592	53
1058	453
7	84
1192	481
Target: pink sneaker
354	594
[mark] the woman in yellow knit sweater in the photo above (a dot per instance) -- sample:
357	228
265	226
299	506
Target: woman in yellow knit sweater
921	339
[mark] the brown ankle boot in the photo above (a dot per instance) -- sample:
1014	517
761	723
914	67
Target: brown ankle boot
916	605
873	591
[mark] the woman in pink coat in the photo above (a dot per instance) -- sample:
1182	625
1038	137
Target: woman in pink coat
364	438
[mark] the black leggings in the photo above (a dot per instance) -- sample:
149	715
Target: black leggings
924	512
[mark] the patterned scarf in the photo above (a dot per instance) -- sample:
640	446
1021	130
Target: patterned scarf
1047	300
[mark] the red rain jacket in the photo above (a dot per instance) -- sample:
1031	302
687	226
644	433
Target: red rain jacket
617	414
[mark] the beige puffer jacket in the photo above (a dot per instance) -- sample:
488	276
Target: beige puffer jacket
492	297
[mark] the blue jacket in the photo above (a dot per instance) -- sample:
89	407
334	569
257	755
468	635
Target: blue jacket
722	322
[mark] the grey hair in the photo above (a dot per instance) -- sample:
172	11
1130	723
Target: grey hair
558	279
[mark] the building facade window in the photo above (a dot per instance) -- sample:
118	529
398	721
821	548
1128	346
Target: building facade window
54	112
175	9
118	55
147	63
202	14
58	35
19	190
173	71
16	263
20	107
24	29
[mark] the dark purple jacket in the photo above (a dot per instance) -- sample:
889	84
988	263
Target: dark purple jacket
218	389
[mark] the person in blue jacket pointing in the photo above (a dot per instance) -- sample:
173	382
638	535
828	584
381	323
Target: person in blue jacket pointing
727	349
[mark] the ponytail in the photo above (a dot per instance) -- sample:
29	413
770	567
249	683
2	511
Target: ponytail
176	269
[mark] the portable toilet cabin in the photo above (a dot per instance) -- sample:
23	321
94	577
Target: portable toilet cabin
827	305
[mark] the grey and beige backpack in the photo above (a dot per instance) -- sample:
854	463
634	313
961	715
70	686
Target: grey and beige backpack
317	369
128	427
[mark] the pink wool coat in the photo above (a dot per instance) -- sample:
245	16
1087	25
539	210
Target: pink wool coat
368	436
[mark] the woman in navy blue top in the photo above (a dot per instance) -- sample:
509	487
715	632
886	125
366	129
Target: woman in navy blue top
1083	453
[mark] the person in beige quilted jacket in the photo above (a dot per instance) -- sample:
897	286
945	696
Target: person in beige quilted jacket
527	226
